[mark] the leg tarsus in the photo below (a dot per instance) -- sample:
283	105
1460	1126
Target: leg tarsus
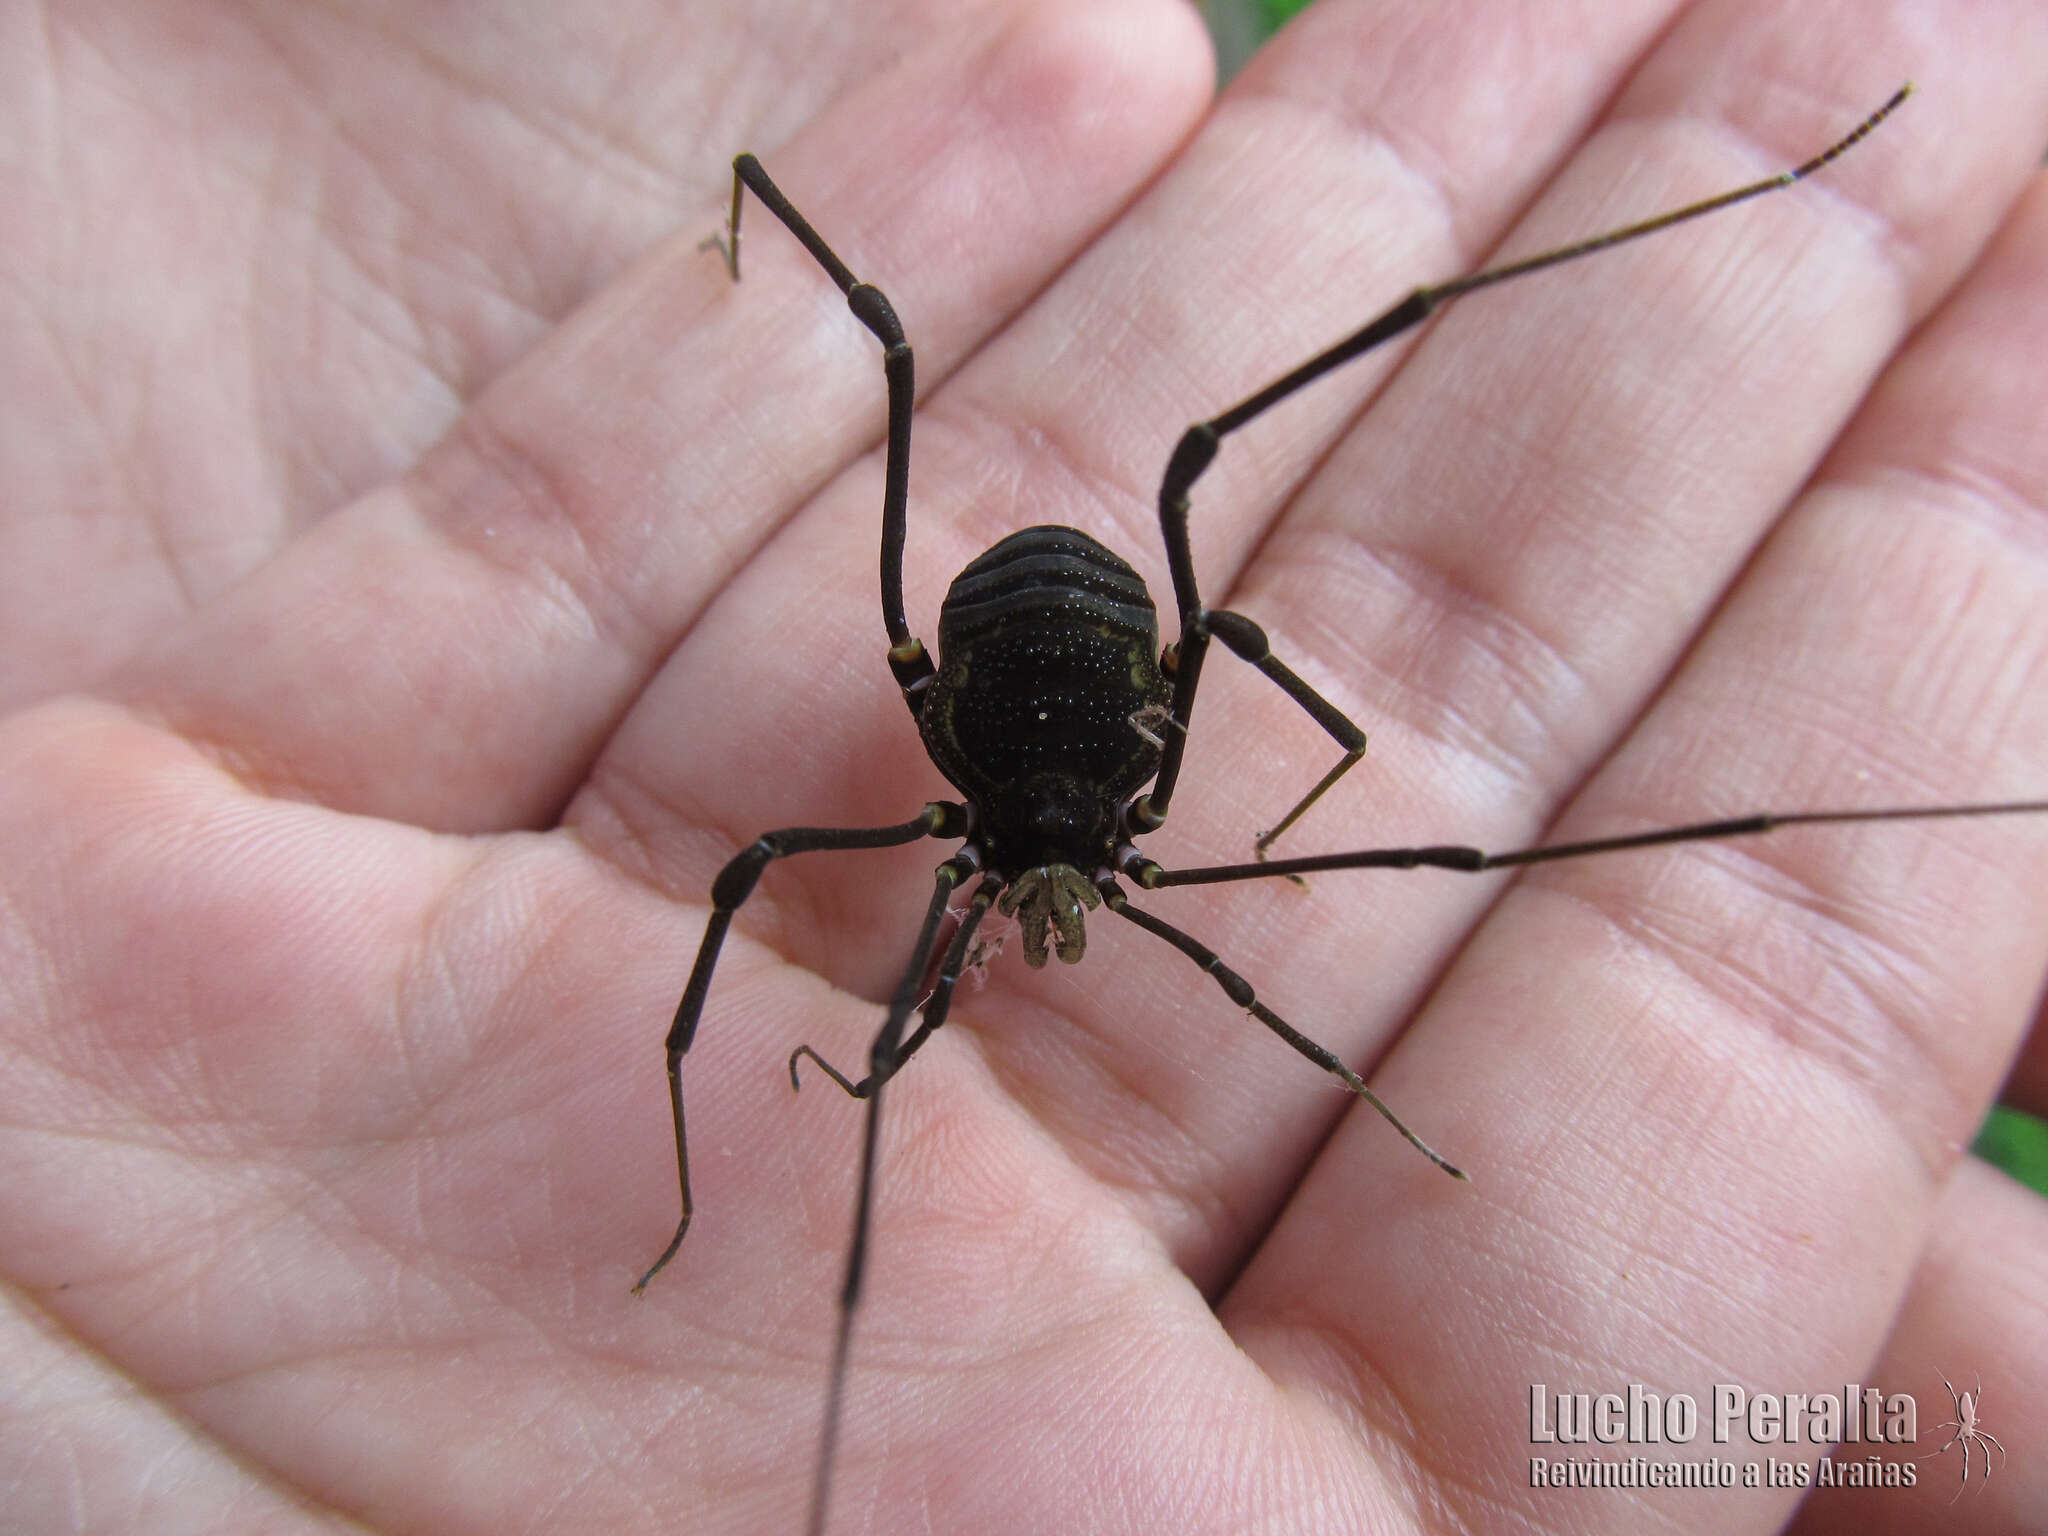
728	244
1248	642
728	251
1344	765
854	1090
675	1091
674	1243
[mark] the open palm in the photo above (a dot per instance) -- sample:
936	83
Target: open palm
423	568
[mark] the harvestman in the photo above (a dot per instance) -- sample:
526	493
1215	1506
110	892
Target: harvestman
1051	706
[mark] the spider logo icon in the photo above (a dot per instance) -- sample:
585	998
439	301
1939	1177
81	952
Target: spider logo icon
1968	1430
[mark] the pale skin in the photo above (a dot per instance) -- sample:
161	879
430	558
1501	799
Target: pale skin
423	568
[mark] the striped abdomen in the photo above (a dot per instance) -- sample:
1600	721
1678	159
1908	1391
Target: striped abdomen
1048	684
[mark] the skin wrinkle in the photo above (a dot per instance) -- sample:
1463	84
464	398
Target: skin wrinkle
325	1207
50	119
331	128
1315	1354
391	281
26	290
1422	193
1085	495
87	1353
1663	945
263	292
1222	581
1499	642
81	38
545	499
440	363
1588	1250
579	137
1502	617
1185	1182
428	967
2011	678
626	824
29	966
158	514
369	317
1970	494
1686	1265
321	467
119	431
153	508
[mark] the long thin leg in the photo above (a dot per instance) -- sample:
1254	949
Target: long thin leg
1249	641
907	657
1471	861
1952	1439
1198	445
884	1057
735	883
936	1007
1240	992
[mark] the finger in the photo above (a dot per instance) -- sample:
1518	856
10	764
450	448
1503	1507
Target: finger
1975	1316
2027	1086
326	287
451	650
1501	563
1710	1095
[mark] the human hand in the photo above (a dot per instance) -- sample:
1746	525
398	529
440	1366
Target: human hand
345	917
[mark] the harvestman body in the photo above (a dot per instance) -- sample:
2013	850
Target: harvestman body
1051	706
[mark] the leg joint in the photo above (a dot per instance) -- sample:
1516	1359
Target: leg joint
1193	454
871	307
736	882
1244	637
